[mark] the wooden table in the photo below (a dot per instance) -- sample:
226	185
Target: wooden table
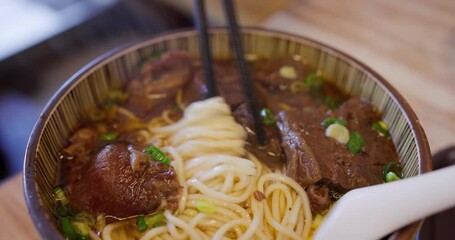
410	43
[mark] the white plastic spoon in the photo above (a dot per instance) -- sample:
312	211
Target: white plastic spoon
373	212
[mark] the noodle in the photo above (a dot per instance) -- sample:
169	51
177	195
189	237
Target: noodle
207	151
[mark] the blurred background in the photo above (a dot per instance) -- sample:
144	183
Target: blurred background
411	43
44	42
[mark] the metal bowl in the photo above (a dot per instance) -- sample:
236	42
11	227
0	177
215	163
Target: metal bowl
113	70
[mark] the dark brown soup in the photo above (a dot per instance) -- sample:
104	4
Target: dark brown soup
325	140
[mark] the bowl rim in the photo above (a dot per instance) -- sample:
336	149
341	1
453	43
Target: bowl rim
34	206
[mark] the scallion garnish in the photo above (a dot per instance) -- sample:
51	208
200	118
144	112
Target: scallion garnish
156	219
157	155
81	228
64	211
391	176
118	96
382	128
205	206
313	81
330	120
114	97
297	87
85	217
355	142
97	115
157	53
111	136
391	172
267	116
68	229
141	224
59	195
331	103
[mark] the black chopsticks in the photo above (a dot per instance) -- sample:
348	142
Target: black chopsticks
204	44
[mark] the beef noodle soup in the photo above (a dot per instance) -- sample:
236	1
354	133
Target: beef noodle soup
158	160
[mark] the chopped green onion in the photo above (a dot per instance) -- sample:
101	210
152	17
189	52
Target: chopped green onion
85	217
157	53
391	176
205	207
118	96
382	128
157	155
97	115
114	97
297	87
313	81
267	116
141	224
330	120
331	103
59	195
287	72
81	228
392	167
64	211
155	220
68	229
108	136
355	142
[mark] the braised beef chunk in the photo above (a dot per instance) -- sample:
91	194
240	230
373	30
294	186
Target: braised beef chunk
311	157
271	153
228	85
154	89
319	198
302	164
120	181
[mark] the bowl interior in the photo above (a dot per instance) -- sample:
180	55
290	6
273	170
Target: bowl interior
68	106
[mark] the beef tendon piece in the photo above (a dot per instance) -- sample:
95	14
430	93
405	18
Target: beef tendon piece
319	198
120	182
154	89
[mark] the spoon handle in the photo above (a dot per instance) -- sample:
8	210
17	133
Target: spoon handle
373	212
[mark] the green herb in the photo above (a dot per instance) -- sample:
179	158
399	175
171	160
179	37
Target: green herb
118	96
81	228
157	155
331	103
85	217
108	137
391	176
156	219
330	120
267	116
97	115
69	230
59	196
64	211
355	142
297	87
157	53
391	167
382	128
114	97
205	207
141	224
313	81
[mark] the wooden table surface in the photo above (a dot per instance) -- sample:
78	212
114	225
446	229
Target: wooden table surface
410	43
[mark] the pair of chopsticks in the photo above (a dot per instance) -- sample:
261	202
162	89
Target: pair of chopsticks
204	48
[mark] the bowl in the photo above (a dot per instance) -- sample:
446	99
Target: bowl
111	71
